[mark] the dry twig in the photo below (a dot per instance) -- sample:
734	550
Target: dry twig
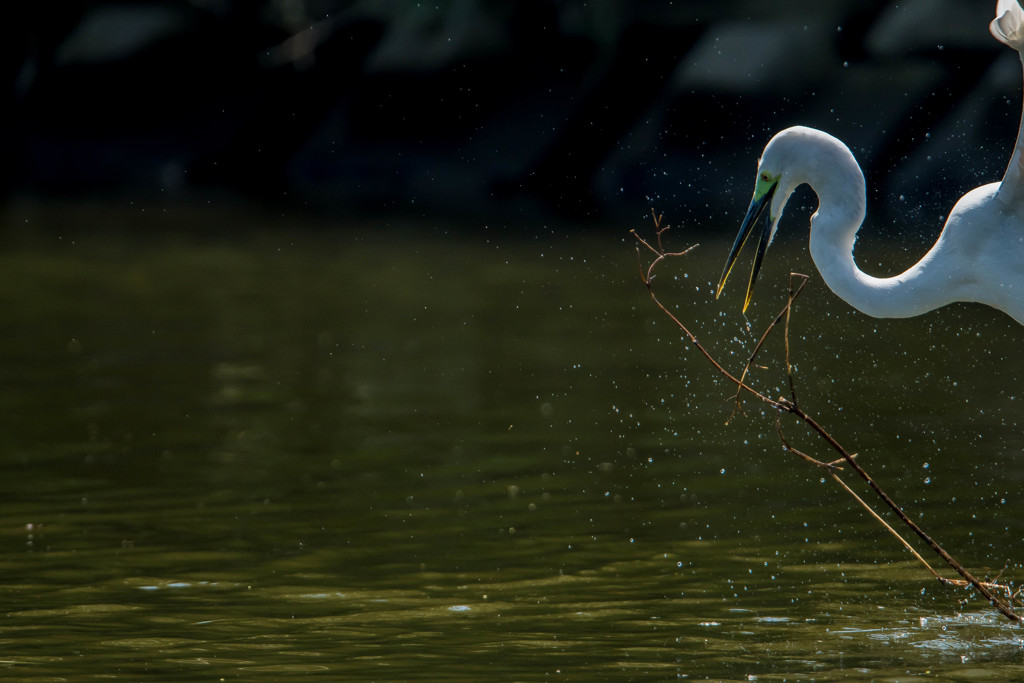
789	405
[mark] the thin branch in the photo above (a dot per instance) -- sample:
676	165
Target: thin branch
792	295
783	315
789	405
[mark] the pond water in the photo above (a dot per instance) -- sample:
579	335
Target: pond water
248	448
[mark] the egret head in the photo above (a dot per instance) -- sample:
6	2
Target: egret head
779	172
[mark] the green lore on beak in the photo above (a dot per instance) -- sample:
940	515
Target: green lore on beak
762	198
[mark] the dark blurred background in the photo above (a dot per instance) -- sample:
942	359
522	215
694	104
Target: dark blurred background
504	111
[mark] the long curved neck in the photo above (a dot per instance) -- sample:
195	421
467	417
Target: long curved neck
841	209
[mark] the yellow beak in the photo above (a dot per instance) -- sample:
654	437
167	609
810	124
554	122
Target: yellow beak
754	211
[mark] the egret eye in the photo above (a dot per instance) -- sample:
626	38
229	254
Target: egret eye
765	177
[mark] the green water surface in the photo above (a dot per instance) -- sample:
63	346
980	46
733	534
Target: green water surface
237	446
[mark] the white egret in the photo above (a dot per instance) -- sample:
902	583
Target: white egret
978	257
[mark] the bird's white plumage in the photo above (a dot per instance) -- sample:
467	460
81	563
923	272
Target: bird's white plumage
978	257
1008	28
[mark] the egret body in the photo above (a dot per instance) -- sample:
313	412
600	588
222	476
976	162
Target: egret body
978	257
